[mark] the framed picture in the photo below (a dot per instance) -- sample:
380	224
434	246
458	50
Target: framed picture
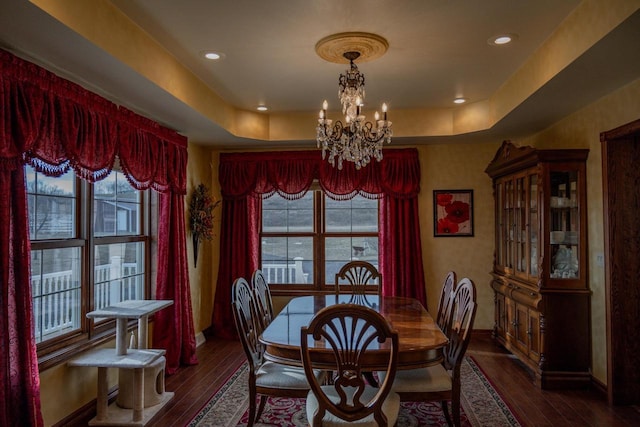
453	213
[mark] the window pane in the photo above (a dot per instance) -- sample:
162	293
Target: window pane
281	215
116	207
287	259
340	250
62	285
51	203
357	215
119	273
291	241
55	287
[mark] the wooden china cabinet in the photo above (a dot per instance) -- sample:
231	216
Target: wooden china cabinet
542	298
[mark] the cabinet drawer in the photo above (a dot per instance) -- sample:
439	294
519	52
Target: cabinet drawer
525	296
501	286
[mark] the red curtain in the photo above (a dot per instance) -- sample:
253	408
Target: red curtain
247	176
291	173
173	329
19	380
239	249
401	260
56	125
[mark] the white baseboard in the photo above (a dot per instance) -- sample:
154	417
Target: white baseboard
200	339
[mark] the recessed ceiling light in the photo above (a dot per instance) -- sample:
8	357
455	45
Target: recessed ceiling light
459	100
212	55
502	39
262	108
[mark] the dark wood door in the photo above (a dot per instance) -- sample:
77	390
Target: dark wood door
621	181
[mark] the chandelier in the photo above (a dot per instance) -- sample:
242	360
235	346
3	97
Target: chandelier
355	140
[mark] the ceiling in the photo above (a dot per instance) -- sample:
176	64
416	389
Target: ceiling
147	56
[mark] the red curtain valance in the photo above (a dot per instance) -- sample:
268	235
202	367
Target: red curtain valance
291	173
56	125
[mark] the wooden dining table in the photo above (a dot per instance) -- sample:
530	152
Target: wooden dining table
420	339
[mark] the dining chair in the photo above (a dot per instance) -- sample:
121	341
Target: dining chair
262	293
443	315
357	278
350	331
265	378
442	382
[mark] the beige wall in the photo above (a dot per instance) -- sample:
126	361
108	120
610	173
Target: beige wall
582	130
451	167
201	171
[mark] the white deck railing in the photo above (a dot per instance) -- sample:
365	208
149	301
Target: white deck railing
285	273
116	282
56	296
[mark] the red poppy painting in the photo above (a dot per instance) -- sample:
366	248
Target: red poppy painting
453	213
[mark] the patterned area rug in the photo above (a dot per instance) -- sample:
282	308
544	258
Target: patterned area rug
481	406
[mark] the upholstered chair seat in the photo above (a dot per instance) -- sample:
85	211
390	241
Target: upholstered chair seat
390	408
277	375
431	379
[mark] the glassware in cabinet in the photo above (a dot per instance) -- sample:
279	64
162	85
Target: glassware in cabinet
564	225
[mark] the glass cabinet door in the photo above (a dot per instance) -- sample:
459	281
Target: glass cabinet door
509	224
520	226
500	224
533	221
564	225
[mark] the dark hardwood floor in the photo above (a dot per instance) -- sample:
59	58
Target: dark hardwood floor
194	385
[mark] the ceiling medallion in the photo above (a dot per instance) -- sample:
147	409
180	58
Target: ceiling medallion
370	46
356	140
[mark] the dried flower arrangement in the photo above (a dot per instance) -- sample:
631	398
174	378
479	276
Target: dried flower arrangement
201	217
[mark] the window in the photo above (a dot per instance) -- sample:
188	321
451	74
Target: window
89	246
305	242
